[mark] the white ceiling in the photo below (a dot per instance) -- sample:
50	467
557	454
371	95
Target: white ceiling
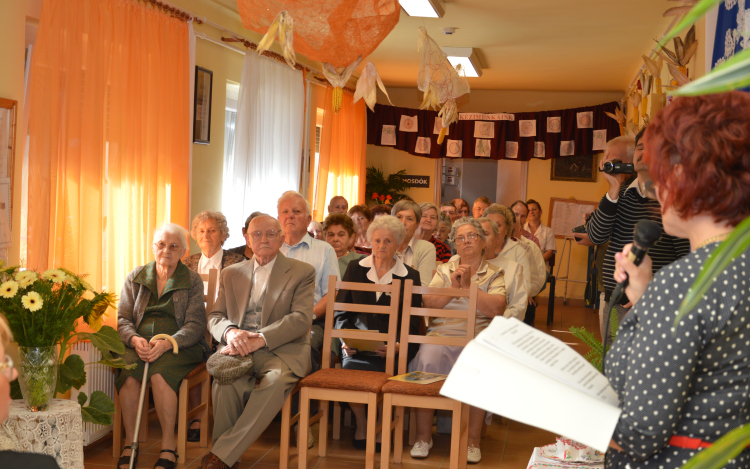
551	45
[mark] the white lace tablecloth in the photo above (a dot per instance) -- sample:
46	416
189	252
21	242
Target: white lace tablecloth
58	431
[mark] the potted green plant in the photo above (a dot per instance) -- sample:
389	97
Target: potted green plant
43	312
382	190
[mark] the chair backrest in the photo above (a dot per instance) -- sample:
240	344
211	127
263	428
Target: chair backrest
468	314
390	339
212	277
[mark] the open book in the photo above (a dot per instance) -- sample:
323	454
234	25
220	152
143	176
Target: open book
419	377
514	370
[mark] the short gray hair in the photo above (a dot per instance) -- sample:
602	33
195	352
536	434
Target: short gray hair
390	223
493	225
263	215
218	217
467	221
445	219
424	206
173	229
290	195
405	204
628	143
497	209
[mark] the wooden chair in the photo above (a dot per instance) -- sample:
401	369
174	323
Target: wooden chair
427	396
199	376
363	387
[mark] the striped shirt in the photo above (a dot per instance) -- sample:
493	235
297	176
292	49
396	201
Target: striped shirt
615	221
442	250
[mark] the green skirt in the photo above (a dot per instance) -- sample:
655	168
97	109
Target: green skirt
173	368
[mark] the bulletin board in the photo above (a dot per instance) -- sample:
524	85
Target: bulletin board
566	214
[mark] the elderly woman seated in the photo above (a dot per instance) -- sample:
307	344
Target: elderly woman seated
338	231
162	297
385	234
428	225
210	231
362	217
467	268
414	252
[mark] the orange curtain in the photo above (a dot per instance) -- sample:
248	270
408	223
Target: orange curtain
109	136
342	160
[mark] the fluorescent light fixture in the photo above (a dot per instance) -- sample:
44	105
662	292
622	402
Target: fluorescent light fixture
423	8
466	57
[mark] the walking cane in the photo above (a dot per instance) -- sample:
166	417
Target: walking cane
134	446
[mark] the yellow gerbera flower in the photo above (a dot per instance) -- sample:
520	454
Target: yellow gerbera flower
32	301
26	278
57	276
8	289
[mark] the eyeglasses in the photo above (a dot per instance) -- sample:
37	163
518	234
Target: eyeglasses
258	235
6	368
162	246
468	237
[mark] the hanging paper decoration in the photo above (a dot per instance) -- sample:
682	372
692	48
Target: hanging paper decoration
527	128
424	145
366	86
539	150
388	135
585	120
483	148
600	140
335	32
338	77
440	82
408	124
484	129
554	125
284	25
511	149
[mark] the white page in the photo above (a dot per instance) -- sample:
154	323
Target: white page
486	378
547	354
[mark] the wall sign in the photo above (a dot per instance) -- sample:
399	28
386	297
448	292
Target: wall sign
416	181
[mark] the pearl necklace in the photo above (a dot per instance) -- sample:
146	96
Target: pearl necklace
713	239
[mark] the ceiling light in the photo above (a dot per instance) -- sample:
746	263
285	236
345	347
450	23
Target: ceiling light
466	57
423	8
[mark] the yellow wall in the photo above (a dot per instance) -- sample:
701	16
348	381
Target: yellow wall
12	38
391	161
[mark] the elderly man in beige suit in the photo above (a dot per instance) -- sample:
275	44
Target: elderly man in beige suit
265	308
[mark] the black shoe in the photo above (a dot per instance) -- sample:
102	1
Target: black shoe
359	444
193	434
166	463
125	460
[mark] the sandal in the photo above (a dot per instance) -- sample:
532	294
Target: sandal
125	460
166	463
193	434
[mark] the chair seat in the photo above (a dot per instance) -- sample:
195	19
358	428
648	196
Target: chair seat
413	389
348	380
198	369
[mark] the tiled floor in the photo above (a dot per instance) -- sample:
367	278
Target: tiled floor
508	444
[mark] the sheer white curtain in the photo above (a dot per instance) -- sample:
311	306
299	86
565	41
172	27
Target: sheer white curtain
268	140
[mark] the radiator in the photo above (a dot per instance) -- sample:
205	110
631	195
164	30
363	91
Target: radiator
98	378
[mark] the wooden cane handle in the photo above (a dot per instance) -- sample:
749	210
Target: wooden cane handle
166	337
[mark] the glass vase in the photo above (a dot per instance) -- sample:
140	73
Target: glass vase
37	376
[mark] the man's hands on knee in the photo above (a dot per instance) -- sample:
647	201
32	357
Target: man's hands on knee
242	343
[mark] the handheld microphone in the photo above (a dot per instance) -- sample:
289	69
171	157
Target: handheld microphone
645	234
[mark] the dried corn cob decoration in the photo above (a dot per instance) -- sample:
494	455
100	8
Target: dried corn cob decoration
448	115
338	98
284	26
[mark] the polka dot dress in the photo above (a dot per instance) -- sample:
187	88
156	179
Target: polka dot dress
692	382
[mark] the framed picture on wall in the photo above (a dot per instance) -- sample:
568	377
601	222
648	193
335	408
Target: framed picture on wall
202	106
573	168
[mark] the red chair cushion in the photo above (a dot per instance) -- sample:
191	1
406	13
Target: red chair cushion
412	389
348	380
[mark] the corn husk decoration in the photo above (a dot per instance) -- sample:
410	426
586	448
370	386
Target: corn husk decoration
677	61
367	87
635	100
645	92
686	6
338	77
619	117
284	26
439	81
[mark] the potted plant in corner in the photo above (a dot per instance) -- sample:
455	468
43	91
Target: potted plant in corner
43	312
382	190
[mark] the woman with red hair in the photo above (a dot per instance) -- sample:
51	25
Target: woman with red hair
682	389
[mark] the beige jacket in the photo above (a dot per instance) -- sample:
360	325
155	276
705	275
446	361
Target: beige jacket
287	308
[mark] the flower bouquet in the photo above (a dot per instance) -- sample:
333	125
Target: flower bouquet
43	312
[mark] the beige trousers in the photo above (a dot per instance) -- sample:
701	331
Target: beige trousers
242	413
